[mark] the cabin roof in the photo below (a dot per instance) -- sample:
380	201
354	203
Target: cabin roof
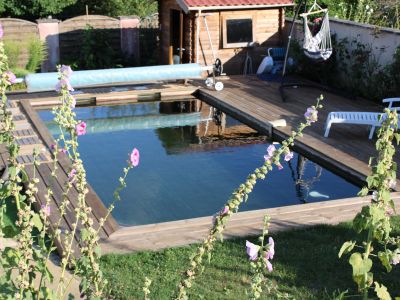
231	4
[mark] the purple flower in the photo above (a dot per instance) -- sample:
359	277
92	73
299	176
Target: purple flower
271	149
135	157
71	175
395	259
10	77
63	150
271	249
46	210
311	115
269	265
66	70
252	250
63	83
53	147
1	31
224	211
80	128
288	156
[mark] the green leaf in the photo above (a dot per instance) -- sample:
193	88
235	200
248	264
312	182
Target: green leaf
360	265
85	234
346	248
382	292
385	259
37	222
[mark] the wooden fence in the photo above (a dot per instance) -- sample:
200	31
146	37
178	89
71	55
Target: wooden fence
133	40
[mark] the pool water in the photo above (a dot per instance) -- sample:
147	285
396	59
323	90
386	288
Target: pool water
192	157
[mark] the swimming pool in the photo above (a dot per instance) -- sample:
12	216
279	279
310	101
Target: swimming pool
192	157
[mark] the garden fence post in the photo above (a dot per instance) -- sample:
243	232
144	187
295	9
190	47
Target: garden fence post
49	33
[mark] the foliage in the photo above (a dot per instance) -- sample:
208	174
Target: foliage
35	50
376	12
33	9
305	267
115	8
374	219
37	54
352	68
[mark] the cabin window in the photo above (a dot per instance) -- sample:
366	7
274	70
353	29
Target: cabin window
238	31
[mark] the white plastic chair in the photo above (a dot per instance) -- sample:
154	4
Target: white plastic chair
361	118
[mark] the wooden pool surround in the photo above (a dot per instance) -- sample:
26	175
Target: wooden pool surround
252	101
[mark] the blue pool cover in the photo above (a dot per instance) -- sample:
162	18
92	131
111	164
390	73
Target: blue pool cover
47	81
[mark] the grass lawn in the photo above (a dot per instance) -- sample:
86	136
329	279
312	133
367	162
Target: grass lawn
306	266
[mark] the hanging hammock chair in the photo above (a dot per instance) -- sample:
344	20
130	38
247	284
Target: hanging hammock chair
319	46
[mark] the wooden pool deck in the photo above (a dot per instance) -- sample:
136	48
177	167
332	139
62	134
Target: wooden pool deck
258	103
254	102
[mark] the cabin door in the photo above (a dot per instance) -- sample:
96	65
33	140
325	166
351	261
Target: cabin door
176	48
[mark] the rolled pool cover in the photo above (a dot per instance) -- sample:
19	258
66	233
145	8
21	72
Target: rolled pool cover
42	82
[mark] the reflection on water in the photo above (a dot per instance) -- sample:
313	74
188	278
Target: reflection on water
192	157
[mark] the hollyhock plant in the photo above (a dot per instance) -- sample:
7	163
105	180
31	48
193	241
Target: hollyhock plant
71	175
271	249
80	128
10	77
134	157
46	210
252	250
311	114
288	156
66	70
63	83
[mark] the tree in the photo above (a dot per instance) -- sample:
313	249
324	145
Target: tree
33	9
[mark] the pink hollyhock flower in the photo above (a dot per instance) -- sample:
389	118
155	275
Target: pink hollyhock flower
134	157
288	156
63	83
71	175
63	150
66	70
252	250
269	266
46	210
267	157
280	167
271	149
271	249
224	211
311	115
1	31
10	77
80	128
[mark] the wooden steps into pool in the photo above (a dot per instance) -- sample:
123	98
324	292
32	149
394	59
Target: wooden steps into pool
31	133
184	232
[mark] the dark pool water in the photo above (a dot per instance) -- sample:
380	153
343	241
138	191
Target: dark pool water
191	158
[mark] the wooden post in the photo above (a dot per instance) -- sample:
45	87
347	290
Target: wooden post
180	36
198	36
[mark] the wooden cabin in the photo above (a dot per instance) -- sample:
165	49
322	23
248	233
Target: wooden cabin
202	30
